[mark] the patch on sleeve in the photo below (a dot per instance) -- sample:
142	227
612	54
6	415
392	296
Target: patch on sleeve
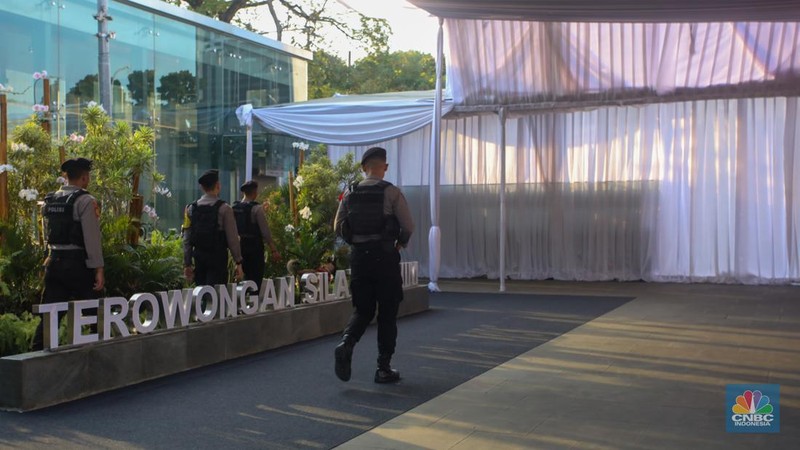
187	222
96	208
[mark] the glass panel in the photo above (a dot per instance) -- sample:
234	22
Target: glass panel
133	96
183	80
177	134
78	83
27	33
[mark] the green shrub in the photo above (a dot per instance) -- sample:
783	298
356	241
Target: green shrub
16	333
20	271
154	265
309	242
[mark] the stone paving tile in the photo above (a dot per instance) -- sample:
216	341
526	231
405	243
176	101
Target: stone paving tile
650	374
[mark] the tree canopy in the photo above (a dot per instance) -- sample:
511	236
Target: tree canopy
308	24
381	72
302	23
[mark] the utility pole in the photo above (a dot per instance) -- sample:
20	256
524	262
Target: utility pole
104	64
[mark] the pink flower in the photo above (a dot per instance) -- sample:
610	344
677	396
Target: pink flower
37	76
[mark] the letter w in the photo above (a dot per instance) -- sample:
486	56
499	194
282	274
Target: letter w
176	301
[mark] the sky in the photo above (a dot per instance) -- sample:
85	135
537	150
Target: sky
412	28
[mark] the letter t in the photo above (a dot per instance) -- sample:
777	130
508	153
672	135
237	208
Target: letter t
50	321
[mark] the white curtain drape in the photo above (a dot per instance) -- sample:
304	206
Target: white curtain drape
516	62
614	10
687	191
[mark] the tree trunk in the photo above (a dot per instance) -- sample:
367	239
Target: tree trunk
135	213
228	15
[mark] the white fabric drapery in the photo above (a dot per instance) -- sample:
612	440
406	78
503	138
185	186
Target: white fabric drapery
686	191
434	235
614	10
662	152
527	63
350	119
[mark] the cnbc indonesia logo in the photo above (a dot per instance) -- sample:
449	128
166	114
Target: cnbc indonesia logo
752	410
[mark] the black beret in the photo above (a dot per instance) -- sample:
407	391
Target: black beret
248	186
76	164
372	153
209	177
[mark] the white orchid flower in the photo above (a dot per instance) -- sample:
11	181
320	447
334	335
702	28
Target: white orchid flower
28	194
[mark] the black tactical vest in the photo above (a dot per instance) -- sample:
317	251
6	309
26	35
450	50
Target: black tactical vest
62	229
243	212
249	233
206	235
365	218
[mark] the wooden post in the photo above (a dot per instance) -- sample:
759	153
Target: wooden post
46	102
3	157
292	202
135	213
136	207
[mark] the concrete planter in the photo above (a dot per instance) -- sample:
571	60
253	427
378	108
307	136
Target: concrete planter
38	379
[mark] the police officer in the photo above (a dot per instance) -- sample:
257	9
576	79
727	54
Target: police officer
253	233
74	267
209	231
374	218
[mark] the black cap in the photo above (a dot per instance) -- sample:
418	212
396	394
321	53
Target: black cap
374	152
248	186
76	164
209	177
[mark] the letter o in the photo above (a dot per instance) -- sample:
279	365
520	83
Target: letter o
150	323
205	315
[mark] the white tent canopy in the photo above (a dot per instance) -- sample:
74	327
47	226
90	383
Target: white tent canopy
662	11
350	119
624	150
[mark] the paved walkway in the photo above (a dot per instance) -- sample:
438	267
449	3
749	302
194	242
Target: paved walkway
650	374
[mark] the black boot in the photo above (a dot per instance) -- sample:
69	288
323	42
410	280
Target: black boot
385	373
344	356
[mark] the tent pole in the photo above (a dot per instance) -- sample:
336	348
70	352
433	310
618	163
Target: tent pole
502	117
434	236
248	158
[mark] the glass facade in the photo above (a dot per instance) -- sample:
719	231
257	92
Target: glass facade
173	70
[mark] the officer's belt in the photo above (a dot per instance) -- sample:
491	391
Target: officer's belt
68	253
365	238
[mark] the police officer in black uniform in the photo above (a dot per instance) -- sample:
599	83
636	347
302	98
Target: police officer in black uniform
253	233
209	231
374	218
74	267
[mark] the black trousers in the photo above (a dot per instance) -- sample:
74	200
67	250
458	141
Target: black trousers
211	268
66	278
376	285
253	264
